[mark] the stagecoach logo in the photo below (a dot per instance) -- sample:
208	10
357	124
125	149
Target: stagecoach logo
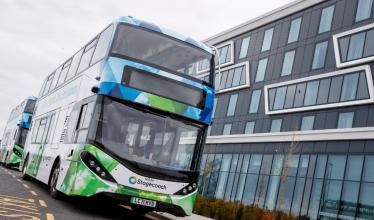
134	180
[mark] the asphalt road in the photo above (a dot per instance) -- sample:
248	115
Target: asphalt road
29	200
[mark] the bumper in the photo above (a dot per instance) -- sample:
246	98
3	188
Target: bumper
79	180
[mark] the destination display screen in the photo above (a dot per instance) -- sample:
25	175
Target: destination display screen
162	86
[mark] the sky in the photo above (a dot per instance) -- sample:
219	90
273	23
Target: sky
37	36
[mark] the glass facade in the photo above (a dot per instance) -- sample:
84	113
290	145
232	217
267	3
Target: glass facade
299	91
316	186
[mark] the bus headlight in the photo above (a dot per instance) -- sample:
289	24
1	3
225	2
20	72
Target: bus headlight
187	189
95	166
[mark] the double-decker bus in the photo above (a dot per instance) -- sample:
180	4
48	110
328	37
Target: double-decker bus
127	117
15	133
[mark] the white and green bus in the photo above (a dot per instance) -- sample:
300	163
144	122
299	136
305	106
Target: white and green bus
126	117
15	133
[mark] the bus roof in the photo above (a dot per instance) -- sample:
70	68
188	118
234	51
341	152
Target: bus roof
32	98
153	27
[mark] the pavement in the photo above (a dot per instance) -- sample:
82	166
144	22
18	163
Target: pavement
29	200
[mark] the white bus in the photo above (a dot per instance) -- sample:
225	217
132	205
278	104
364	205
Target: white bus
126	116
15	133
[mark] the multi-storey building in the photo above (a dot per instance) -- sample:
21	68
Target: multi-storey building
294	123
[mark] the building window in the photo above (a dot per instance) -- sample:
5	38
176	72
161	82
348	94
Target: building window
341	88
319	55
249	127
311	93
307	123
354	46
255	101
226	53
280	97
87	55
288	61
345	120
364	8
326	19
276	125
261	70
349	87
232	78
227	129
215	106
232	105
268	37
244	47
293	35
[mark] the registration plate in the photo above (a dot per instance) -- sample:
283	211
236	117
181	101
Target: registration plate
143	202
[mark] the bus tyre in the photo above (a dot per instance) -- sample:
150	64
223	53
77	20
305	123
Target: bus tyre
24	174
53	182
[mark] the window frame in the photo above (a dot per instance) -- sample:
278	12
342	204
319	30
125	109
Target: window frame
314	55
78	127
331	22
342	113
271	39
220	46
247	80
369	82
284	59
249	37
356	12
289	31
335	39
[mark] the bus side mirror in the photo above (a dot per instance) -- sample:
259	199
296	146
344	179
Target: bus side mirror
95	89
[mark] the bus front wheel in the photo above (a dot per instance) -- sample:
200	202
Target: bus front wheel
53	182
25	176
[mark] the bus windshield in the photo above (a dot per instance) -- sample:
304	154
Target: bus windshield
160	50
21	138
145	137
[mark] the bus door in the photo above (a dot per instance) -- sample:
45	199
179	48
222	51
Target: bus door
43	130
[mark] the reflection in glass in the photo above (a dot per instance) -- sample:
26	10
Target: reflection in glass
349	198
250	189
315	199
297	196
331	197
272	192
